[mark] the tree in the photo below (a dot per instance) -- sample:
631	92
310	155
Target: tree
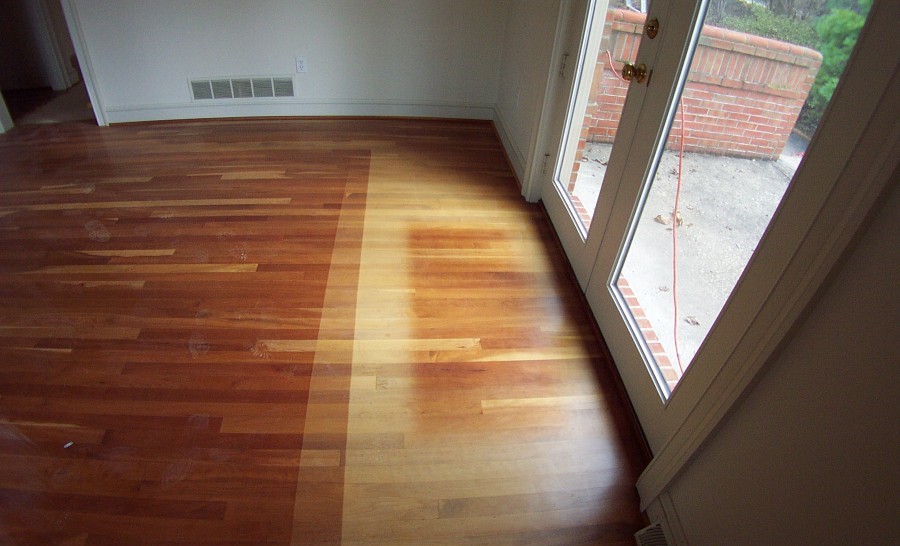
761	21
837	32
798	9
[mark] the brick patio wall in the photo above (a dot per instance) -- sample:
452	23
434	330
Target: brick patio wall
742	97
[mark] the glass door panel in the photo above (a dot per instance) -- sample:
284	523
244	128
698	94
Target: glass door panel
596	108
596	125
731	150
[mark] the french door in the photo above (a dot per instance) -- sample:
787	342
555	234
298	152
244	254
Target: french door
661	218
593	223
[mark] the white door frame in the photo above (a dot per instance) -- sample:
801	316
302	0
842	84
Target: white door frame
61	71
543	152
82	51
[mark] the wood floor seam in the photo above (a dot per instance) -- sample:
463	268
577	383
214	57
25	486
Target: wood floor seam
329	332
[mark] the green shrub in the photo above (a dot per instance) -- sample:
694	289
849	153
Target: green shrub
837	32
833	34
761	21
829	26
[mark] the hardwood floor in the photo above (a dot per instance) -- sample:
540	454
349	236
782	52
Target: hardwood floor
295	332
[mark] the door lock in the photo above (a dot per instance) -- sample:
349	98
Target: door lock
637	72
651	28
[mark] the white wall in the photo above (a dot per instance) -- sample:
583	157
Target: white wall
372	57
527	50
485	59
810	456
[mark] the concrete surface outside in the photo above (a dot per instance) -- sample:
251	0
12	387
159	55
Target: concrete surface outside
725	206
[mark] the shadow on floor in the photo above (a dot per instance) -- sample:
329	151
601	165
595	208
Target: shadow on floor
44	105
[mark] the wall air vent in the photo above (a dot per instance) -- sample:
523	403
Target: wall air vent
201	89
262	87
652	535
242	88
222	89
284	87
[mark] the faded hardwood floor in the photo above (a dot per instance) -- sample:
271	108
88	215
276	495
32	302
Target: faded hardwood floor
295	332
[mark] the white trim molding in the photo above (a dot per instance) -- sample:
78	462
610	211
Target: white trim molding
63	73
545	138
297	108
84	60
662	510
858	160
515	156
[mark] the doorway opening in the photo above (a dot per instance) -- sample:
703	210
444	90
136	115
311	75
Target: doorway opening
39	75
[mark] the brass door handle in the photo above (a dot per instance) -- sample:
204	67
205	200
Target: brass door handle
637	73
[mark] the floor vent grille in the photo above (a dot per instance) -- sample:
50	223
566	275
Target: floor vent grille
242	88
652	535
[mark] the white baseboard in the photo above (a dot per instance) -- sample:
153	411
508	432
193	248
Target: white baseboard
297	108
512	151
662	509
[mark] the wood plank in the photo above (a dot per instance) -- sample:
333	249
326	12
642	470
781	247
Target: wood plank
92	205
335	331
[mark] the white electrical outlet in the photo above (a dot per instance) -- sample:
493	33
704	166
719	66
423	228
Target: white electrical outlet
301	64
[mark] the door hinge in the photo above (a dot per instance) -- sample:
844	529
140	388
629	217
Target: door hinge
544	164
562	65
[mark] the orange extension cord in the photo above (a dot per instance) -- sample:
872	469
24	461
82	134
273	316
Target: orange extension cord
674	223
675	217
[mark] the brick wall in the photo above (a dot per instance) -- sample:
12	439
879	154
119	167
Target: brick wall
742	97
